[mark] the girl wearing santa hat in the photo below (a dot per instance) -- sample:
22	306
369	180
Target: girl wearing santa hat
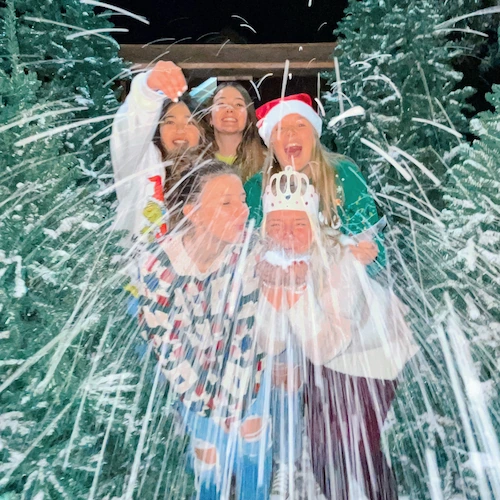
291	129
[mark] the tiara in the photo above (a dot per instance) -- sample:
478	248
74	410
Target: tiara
290	190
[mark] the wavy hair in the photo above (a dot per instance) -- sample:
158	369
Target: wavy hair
250	153
322	167
191	105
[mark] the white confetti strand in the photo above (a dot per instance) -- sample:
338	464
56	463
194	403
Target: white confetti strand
458	135
96	32
320	107
355	111
28	119
420	165
434	481
127	13
482	12
384	155
462	30
339	85
386	80
247	26
62	128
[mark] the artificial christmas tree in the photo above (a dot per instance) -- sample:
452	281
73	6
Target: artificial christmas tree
410	144
392	63
78	417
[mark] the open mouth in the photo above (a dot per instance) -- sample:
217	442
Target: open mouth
229	120
293	150
179	143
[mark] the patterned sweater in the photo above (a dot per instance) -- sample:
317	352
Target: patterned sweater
201	327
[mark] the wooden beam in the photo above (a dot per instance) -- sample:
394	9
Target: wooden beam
229	59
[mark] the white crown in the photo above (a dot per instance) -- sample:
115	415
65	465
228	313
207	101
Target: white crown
290	190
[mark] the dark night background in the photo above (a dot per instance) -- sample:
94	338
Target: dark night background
210	21
275	21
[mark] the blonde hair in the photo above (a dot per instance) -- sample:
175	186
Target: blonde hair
250	153
322	166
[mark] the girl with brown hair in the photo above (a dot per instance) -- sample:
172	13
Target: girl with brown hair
152	127
232	129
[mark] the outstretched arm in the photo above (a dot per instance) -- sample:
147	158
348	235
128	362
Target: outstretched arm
137	119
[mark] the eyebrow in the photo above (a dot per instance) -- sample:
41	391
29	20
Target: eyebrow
222	97
228	194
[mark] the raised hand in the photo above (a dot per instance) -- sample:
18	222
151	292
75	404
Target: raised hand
168	77
287	377
365	251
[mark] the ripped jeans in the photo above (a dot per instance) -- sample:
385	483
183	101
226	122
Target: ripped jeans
245	450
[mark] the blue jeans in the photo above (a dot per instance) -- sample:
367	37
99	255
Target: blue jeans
287	406
250	458
288	424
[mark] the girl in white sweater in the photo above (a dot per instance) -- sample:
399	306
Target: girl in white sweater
154	123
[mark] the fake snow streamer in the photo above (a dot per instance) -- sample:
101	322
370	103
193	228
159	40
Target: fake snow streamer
20	288
419	164
62	128
96	31
458	135
482	12
114	8
384	155
351	112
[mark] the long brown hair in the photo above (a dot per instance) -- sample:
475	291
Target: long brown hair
322	167
250	153
185	99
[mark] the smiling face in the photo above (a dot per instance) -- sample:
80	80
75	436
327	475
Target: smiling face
229	112
177	129
221	210
289	230
293	141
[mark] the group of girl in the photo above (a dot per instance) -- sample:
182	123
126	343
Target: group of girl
264	337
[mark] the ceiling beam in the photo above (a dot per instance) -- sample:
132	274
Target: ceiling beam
228	59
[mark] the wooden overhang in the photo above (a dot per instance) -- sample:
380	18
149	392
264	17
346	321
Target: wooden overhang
231	60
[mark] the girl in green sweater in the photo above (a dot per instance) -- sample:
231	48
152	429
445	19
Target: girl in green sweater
291	129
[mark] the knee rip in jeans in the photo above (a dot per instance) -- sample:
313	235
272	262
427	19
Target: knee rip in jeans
205	454
252	428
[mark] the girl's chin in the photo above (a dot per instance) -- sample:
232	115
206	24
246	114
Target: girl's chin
175	149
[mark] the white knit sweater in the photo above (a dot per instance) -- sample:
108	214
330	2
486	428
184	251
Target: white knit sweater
134	156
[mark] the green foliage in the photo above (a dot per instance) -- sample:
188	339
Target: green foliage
73	391
395	65
442	240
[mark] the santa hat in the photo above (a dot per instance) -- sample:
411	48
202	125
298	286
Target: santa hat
271	113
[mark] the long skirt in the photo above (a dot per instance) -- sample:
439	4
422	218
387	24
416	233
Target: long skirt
344	419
